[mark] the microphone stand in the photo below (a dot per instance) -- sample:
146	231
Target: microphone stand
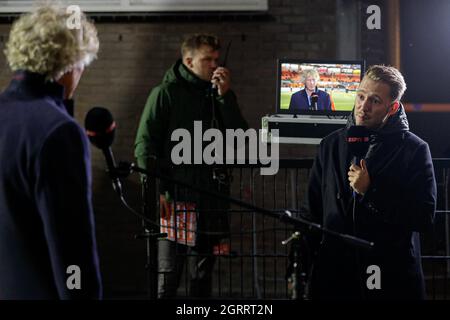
297	270
150	234
151	231
125	168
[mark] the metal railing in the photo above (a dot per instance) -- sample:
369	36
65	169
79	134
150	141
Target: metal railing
251	261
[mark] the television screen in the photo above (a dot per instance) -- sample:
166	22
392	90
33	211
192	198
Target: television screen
317	87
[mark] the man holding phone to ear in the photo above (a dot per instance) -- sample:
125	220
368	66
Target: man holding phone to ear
195	88
387	198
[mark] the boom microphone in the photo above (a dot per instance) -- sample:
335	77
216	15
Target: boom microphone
100	129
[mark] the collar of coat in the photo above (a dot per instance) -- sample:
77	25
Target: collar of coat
391	133
397	123
179	72
36	84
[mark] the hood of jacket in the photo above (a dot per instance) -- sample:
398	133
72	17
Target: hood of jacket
397	123
178	72
391	133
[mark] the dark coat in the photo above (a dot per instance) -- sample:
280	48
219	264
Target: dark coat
400	203
46	218
299	101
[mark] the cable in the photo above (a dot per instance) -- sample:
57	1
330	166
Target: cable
357	256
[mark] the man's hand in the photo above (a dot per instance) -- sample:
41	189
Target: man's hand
359	179
221	79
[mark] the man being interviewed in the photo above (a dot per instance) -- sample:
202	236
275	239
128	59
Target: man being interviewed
387	198
310	97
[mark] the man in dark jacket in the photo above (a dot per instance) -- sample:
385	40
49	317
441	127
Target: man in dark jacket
186	95
47	239
387	198
305	100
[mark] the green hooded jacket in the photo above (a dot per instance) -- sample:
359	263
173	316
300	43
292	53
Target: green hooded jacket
177	102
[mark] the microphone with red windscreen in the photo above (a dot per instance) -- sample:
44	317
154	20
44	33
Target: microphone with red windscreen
100	129
358	142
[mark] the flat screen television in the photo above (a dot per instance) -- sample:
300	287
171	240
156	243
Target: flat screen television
330	86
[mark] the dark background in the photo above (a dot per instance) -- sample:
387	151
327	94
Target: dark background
425	50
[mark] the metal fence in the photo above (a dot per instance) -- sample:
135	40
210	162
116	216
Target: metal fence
252	263
436	243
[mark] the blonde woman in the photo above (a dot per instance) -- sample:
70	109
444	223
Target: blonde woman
47	241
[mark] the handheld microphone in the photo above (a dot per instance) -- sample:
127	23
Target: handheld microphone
358	142
314	99
100	129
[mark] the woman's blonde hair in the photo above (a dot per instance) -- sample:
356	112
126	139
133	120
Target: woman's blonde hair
42	42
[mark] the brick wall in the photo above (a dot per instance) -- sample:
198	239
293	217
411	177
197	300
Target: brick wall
133	58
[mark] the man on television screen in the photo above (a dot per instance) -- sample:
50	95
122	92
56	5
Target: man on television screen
311	98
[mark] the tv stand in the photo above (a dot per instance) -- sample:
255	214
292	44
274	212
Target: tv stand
303	129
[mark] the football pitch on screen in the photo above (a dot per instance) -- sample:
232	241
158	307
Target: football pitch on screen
342	101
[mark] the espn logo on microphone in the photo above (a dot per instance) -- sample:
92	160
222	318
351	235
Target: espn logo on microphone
358	139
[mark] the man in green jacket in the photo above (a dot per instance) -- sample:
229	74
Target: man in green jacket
195	88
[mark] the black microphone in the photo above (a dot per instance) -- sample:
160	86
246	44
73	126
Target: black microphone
100	129
314	99
358	142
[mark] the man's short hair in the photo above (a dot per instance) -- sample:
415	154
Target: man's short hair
310	73
41	42
194	41
389	75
